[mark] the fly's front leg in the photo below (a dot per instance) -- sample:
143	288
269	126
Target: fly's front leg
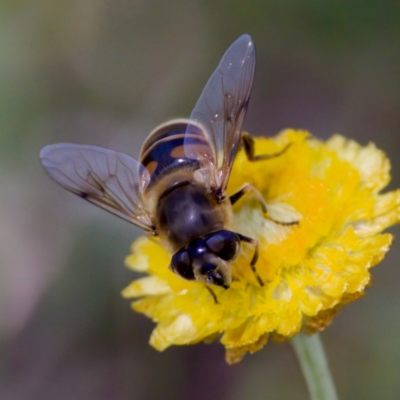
213	295
245	189
253	261
248	145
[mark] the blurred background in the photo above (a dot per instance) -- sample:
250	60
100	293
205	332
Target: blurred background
106	73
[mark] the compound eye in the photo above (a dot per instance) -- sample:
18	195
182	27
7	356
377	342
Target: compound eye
224	244
182	265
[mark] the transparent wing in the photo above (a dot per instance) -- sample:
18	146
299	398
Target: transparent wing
223	103
110	180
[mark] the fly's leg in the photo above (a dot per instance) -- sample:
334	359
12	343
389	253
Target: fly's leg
248	145
245	189
253	261
213	295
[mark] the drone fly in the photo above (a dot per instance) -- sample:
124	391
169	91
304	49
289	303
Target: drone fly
177	189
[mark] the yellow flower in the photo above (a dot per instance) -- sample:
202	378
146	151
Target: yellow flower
309	270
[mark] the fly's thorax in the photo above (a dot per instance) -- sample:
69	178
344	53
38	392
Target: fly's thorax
162	187
187	211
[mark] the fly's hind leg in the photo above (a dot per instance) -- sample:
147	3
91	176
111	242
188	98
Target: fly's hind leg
248	145
245	189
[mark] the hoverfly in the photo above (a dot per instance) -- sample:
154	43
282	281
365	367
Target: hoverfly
177	191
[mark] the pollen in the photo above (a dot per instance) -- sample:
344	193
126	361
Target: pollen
309	270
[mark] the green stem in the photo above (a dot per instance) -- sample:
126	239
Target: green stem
311	356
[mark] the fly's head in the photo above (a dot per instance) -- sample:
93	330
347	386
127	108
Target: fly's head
208	259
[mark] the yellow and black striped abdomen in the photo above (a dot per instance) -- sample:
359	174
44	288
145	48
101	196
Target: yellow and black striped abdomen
164	150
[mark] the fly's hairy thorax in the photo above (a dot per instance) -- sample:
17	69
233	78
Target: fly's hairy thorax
187	211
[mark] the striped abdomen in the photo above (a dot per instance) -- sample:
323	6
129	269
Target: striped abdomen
163	152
